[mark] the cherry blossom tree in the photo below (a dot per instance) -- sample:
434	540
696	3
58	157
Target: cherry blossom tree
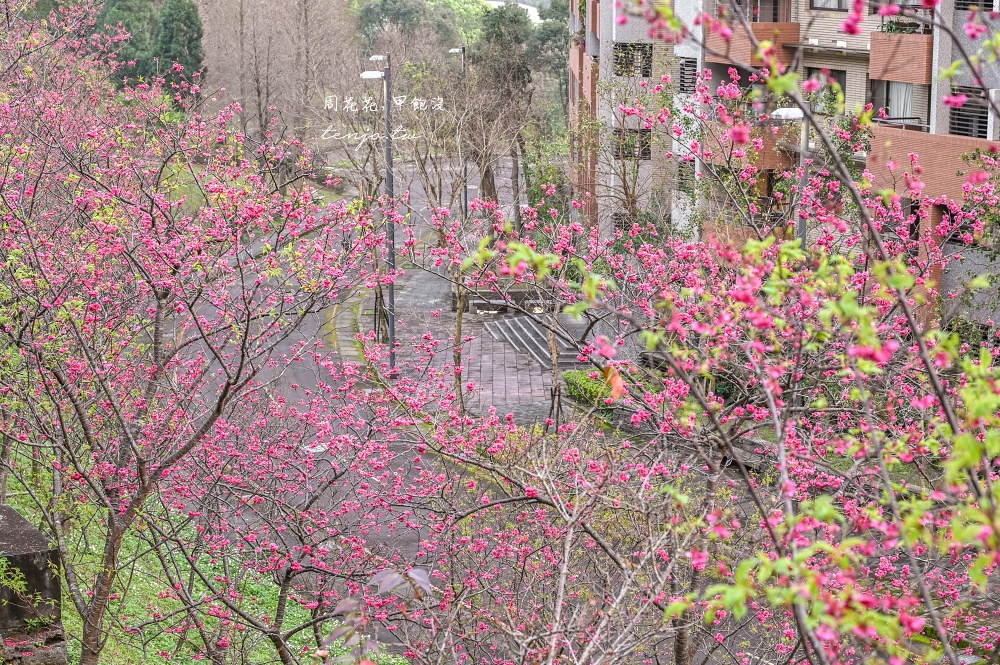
156	285
783	452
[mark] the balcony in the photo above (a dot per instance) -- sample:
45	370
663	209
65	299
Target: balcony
770	20
940	155
594	17
907	58
778	152
576	55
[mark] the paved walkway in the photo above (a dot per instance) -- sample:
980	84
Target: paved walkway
512	382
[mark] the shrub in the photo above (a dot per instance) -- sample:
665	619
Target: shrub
585	389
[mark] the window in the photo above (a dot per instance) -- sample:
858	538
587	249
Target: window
910	210
765	11
828	76
634	144
899	99
622	221
634	60
833	81
772	11
972	118
969	5
686	176
688	78
830	5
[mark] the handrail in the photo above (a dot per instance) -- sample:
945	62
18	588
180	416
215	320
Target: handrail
908	122
920	21
765	11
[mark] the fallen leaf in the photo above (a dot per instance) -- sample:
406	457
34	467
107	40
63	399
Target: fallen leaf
614	379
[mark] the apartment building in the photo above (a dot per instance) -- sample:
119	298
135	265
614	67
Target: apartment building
618	163
892	64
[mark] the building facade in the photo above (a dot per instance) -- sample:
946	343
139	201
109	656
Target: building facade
618	165
892	64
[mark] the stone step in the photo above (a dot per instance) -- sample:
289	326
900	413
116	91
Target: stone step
530	339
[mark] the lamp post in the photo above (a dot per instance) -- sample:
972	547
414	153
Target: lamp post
465	162
797	114
390	225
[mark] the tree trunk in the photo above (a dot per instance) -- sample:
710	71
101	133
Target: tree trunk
457	355
515	183
279	645
555	410
92	637
380	321
6	450
487	183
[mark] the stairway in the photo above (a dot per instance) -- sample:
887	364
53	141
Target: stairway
529	338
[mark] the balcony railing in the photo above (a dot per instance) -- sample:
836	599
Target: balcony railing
913	123
912	20
765	11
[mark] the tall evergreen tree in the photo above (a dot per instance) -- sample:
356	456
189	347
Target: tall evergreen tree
178	40
138	18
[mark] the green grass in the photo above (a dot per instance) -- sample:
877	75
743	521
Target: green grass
139	593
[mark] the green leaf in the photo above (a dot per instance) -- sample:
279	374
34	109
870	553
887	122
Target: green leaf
785	84
676	609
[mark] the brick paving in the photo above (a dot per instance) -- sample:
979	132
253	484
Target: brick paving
512	382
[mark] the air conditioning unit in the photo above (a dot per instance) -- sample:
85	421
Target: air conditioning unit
841	44
813	41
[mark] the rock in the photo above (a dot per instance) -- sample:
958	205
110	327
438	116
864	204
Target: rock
44	646
30	595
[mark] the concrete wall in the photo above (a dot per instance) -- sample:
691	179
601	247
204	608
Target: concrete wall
980	306
824	26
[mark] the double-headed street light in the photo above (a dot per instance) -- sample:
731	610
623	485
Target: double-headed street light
465	163
386	76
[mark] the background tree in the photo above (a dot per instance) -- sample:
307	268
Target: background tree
186	287
550	49
177	39
503	75
138	18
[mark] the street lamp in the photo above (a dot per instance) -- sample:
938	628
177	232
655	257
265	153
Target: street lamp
797	114
465	163
386	76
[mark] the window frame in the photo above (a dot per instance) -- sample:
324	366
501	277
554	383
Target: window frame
642	148
967	5
845	8
687	76
637	56
687	176
975	100
817	74
622	221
